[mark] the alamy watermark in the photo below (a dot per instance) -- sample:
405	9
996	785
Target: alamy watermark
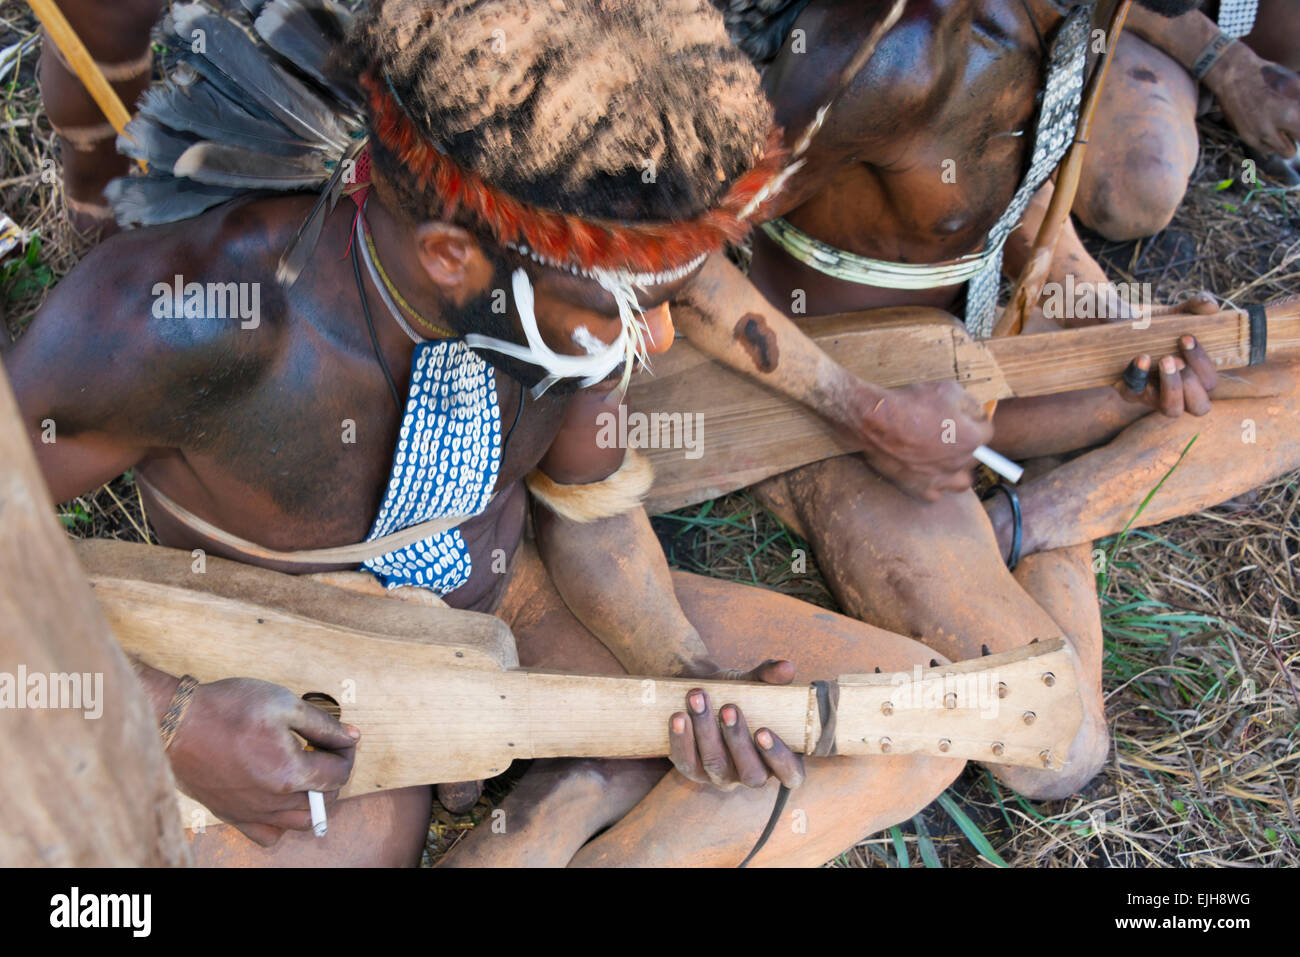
652	430
212	300
71	690
977	690
1103	301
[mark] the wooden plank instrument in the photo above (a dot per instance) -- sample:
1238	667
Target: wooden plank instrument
438	694
752	432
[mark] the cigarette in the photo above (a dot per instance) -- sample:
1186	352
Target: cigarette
316	801
1008	469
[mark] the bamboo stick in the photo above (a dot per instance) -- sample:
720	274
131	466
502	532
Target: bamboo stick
83	65
1030	284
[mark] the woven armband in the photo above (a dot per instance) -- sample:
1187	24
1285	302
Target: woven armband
621	492
1210	55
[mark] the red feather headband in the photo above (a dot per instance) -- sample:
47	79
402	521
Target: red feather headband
565	239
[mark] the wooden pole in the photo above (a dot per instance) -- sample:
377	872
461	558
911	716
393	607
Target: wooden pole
1030	284
75	790
83	65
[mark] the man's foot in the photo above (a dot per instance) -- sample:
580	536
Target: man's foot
1063	584
555	809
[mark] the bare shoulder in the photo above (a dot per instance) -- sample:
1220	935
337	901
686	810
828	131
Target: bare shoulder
156	312
823	42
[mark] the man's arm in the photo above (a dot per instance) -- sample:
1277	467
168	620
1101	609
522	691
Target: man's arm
612	574
902	431
1260	99
99	382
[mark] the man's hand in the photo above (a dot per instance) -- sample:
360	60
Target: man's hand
1179	383
1260	99
727	756
236	753
923	437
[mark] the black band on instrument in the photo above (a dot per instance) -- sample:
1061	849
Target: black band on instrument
828	703
1258	334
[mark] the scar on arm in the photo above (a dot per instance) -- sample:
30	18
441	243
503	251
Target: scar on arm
759	341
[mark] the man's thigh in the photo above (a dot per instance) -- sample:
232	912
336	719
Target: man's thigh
740	624
377	830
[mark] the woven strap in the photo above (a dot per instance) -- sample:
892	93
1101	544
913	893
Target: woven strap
1058	118
1237	17
336	555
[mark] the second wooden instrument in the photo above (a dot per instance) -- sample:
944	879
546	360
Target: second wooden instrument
438	695
750	432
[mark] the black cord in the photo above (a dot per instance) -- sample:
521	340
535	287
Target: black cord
1017	521
370	323
518	411
1042	44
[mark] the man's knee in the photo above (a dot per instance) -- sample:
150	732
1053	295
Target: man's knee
1136	198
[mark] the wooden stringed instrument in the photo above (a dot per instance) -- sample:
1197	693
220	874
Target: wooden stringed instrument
751	432
438	694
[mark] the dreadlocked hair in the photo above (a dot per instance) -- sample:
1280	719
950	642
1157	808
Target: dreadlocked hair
607	109
759	27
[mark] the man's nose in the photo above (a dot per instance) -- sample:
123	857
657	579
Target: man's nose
659	328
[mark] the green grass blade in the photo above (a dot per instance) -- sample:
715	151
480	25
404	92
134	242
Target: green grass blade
928	854
973	833
900	848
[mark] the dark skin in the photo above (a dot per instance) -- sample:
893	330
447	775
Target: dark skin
244	427
874	185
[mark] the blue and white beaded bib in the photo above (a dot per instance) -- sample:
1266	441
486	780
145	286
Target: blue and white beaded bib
447	458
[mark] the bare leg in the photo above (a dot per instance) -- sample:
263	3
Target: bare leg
379	830
1240	444
926	570
680	823
117	36
1142	147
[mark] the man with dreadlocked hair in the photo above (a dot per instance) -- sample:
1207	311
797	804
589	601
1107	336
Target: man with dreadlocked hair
503	214
919	166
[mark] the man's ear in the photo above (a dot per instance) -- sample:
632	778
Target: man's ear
453	259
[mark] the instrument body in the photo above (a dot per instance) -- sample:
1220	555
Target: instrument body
439	696
750	432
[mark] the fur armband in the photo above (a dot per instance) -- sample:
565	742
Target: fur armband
621	492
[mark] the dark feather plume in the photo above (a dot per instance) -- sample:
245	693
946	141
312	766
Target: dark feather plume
249	105
221	164
235	52
151	200
305	32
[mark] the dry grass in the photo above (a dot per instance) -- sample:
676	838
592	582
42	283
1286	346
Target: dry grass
1201	614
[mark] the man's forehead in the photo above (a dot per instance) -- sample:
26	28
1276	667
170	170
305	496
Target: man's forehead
588	293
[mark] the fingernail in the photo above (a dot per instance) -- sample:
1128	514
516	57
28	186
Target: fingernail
697	702
729	716
1168	365
1143	363
764	739
353	732
1188	342
679	724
